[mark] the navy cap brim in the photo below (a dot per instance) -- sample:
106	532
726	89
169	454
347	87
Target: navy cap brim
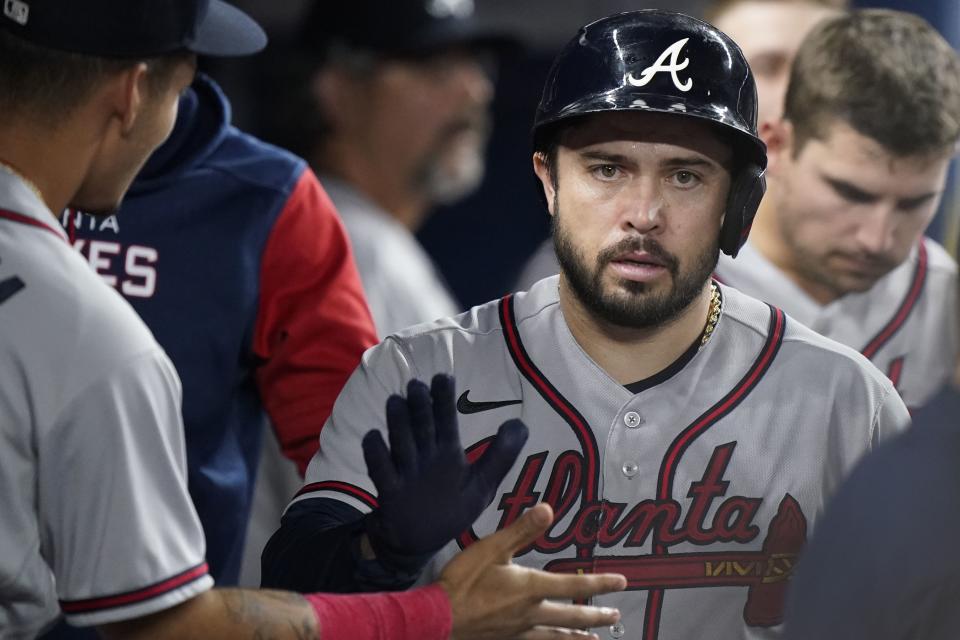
227	31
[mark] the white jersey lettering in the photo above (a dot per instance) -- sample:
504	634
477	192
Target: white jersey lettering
138	277
97	257
140	266
85	220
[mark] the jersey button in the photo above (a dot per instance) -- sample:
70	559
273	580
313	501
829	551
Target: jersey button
630	469
617	630
632	419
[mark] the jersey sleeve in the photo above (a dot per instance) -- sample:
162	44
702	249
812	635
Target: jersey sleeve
892	417
313	323
316	547
122	535
337	470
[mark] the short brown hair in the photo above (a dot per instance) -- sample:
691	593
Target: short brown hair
719	7
887	74
48	84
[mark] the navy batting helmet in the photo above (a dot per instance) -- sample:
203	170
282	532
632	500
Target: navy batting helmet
663	62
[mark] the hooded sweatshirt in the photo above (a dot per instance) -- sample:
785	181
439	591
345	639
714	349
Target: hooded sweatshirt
233	255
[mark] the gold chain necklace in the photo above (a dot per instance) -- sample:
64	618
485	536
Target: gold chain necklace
714	316
27	181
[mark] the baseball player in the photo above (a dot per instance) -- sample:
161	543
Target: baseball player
97	522
392	110
276	317
685	433
769	33
839	241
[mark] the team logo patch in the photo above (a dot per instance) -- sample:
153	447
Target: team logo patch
17	11
673	53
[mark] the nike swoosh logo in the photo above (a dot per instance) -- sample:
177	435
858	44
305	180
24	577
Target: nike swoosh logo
465	405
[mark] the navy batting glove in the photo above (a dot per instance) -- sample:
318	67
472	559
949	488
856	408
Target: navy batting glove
427	490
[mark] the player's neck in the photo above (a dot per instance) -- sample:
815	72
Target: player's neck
766	236
39	156
629	355
388	186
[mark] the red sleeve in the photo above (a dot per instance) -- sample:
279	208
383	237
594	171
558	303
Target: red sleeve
420	614
313	323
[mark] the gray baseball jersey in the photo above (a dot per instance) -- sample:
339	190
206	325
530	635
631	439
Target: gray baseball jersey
402	285
905	324
701	488
96	520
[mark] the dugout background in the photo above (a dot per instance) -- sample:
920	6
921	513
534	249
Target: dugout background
481	242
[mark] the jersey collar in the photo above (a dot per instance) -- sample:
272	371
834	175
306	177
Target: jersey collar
23	205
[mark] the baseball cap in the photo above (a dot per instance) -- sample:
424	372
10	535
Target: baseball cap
132	28
400	27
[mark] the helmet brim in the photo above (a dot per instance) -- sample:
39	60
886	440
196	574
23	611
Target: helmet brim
630	100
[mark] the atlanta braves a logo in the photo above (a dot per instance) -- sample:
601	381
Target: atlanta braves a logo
673	53
665	523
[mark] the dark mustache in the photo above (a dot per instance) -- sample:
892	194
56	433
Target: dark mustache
648	245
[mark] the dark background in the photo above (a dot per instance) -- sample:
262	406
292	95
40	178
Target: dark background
481	242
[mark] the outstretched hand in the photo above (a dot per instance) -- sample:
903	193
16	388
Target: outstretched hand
493	599
428	492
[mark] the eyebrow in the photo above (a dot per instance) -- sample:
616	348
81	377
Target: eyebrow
911	203
676	161
767	61
690	161
852	192
603	156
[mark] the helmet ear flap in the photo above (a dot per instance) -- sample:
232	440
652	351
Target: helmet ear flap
749	185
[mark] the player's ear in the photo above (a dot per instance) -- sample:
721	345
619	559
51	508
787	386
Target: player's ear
541	166
125	93
331	90
779	138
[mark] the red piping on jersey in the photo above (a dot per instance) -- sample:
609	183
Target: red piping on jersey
135	597
651	616
651	621
341	487
22	219
909	302
553	397
559	404
72	227
895	371
724	406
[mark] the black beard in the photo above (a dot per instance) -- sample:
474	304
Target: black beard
633	310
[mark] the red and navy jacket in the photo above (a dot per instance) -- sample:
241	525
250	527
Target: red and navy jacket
234	256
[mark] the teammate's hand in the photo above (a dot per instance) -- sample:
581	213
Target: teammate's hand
492	598
427	491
